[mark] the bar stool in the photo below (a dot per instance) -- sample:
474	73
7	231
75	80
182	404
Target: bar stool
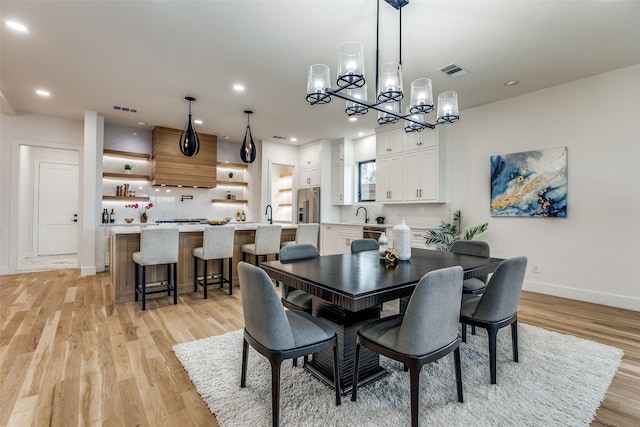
158	245
267	242
306	234
217	243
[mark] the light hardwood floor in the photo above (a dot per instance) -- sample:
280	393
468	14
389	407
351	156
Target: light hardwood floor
69	356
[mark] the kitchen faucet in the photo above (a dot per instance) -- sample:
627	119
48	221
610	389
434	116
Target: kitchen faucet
366	215
269	213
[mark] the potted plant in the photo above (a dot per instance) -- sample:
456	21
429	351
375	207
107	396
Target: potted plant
142	210
230	175
127	168
442	238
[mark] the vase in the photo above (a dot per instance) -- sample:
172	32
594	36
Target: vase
143	220
382	244
402	240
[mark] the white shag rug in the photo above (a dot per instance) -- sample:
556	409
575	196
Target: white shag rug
560	381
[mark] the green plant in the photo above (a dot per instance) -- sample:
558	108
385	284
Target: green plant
127	166
442	238
230	175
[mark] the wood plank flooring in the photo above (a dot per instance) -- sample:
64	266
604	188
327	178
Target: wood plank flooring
70	356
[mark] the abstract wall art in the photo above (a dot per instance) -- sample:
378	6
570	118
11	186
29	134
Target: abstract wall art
530	183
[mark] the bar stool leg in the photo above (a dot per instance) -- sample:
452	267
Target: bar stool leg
230	275
175	283
137	282
195	274
204	279
144	288
168	280
221	273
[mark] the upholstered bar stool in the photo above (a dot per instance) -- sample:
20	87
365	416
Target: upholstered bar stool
306	234
217	244
267	242
158	245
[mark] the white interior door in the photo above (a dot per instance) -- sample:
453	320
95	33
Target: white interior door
57	209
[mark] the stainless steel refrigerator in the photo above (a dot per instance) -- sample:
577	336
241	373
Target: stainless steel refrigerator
309	205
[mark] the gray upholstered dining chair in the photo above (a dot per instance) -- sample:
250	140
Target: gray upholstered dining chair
473	285
497	307
267	241
306	234
279	334
217	244
361	245
158	245
296	299
426	332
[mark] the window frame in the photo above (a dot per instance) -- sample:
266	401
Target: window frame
360	165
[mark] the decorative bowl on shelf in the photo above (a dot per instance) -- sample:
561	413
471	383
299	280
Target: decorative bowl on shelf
228	219
128	220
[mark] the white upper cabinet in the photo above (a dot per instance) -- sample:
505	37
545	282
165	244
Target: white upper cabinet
420	140
310	156
389	142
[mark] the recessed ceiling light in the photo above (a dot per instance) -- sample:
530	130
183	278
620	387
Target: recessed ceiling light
238	87
360	133
511	83
294	139
353	119
197	121
43	92
226	137
17	26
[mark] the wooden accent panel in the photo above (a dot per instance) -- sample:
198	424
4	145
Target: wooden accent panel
126	199
126	154
128	176
170	167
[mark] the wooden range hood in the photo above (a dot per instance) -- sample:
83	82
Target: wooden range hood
169	167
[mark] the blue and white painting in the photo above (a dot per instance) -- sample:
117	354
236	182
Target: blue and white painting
531	183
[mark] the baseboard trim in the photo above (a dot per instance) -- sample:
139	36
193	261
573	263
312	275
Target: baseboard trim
613	300
88	271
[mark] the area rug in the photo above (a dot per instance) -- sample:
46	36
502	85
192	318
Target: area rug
560	381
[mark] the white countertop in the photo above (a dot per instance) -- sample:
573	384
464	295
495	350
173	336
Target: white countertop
187	228
381	226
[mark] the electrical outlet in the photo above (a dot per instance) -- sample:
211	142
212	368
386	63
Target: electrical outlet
535	268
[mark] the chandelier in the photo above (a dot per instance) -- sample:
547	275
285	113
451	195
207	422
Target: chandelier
352	87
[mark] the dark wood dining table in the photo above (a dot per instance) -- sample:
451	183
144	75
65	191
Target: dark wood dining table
349	290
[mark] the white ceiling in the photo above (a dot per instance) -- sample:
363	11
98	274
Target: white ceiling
149	55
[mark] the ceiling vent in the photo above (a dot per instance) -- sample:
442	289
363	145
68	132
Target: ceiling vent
125	109
453	70
278	137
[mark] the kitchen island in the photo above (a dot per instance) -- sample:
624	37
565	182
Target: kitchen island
125	240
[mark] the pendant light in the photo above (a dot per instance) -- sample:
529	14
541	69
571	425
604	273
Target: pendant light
189	141
248	149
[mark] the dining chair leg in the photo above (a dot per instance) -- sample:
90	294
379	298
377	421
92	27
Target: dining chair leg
456	356
245	358
356	365
514	340
275	393
492	331
336	378
414	380
464	332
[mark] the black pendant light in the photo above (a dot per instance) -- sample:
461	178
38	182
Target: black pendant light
248	149
189	141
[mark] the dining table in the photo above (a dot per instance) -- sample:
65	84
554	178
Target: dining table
349	290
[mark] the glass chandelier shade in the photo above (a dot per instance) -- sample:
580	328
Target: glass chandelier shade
248	150
356	108
410	126
318	81
189	141
448	108
421	96
390	83
350	65
384	118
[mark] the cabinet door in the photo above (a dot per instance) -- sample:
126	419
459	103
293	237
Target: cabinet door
420	140
309	178
337	185
421	176
337	154
310	156
389	142
330	240
389	179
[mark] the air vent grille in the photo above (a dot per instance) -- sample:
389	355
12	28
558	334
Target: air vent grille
453	70
125	109
278	137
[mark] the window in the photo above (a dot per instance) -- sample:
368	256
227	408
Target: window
367	181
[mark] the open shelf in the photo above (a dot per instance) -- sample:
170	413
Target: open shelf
125	199
285	204
228	201
231	165
233	183
286	190
126	154
288	175
126	176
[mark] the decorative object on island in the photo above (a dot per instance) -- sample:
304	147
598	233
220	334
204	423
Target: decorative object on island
531	183
442	238
402	240
189	142
128	220
142	210
127	168
248	150
382	244
391	257
353	89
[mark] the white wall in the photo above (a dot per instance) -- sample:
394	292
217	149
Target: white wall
592	254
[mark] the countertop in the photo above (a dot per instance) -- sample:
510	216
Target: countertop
380	226
186	228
